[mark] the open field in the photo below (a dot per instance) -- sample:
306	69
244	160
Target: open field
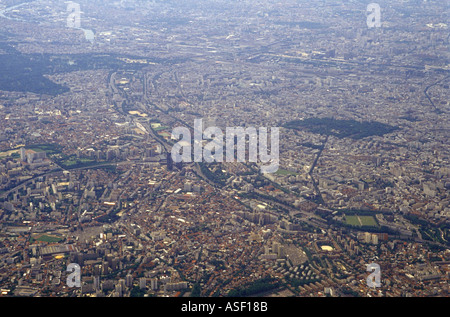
46	238
352	220
359	221
9	153
368	221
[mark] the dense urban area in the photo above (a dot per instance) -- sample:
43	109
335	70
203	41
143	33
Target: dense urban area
87	176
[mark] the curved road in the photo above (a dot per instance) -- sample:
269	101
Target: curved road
436	109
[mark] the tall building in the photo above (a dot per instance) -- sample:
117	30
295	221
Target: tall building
154	284
35	156
23	155
96	282
142	283
105	267
119	289
188	187
275	247
129	280
367	237
169	161
374	239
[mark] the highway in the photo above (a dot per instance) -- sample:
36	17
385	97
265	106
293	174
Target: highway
316	187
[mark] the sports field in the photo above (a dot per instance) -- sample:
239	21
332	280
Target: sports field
284	172
359	221
46	238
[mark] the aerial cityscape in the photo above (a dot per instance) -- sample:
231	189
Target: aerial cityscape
96	202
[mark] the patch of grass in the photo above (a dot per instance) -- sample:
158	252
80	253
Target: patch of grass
341	128
352	220
70	162
160	128
47	238
368	221
50	149
359	221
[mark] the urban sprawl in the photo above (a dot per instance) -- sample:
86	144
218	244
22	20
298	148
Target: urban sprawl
87	176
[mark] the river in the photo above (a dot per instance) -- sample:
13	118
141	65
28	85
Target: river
6	10
88	34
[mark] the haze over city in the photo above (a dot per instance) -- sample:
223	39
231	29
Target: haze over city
346	101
